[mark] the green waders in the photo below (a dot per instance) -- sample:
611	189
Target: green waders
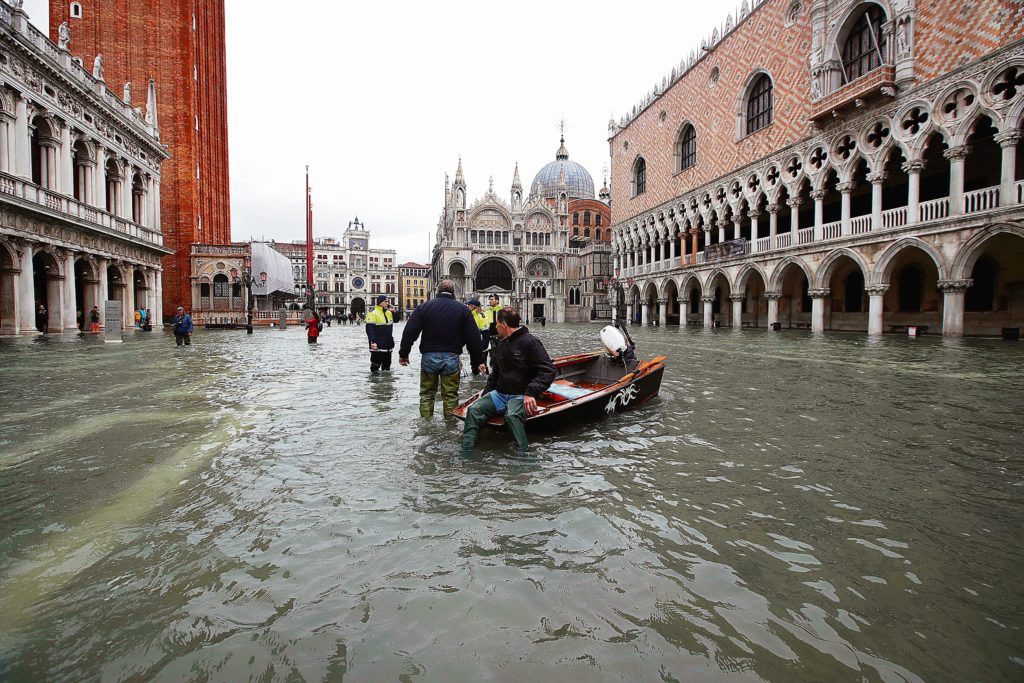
428	392
482	411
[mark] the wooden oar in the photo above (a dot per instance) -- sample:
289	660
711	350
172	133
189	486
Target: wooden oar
642	367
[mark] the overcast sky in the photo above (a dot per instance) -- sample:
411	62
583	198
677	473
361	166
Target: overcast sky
380	99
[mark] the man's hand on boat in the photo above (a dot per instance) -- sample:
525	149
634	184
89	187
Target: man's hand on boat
482	368
530	404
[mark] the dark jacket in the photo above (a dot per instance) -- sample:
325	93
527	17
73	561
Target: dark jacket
446	325
520	365
379	324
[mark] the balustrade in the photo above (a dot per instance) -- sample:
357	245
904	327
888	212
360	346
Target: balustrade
1020	191
933	210
805	236
860	225
894	218
831	231
981	200
764	244
784	240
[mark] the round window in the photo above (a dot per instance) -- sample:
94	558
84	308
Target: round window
357	283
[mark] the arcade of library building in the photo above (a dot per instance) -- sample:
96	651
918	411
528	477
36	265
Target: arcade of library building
833	166
79	188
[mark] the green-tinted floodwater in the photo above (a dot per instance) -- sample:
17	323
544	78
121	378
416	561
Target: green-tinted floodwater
792	508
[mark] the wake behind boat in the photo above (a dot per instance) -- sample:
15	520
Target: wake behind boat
589	386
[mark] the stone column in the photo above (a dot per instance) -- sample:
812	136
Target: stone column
70	306
754	229
104	294
49	152
67	167
819	213
953	306
773	223
5	143
794	217
876	180
99	180
26	292
913	170
663	312
629	313
721	231
706	308
22	142
845	189
158	307
650	251
737	309
645	313
1008	142
672	252
818	297
773	306
736	227
129	296
956	156
876	301
156	205
696	245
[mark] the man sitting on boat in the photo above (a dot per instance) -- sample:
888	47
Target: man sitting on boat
521	371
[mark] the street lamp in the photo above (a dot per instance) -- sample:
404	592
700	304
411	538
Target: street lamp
249	281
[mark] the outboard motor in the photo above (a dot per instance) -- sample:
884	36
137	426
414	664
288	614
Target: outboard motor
619	344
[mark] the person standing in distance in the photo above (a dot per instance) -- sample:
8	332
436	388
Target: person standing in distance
379	324
521	371
483	323
446	326
182	326
493	306
313	326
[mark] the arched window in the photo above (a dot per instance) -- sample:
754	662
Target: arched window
686	148
76	10
597	233
586	232
586	218
220	285
639	177
576	218
865	45
760	104
597	222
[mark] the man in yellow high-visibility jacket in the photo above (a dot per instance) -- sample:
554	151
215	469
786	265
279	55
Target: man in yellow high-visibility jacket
379	323
483	323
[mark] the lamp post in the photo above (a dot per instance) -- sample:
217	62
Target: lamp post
249	281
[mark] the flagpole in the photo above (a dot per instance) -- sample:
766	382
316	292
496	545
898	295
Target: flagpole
310	292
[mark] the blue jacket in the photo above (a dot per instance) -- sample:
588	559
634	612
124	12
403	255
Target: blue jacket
445	325
378	328
182	324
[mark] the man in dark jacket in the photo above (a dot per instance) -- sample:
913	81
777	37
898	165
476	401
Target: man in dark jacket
446	326
521	371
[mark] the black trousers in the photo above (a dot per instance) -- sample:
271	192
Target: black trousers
182	338
380	360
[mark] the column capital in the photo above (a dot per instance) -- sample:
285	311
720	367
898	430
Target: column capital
737	297
819	293
708	299
818	195
957	153
755	214
847	187
876	290
662	302
773	295
1008	139
794	202
915	166
877	178
774	208
954	285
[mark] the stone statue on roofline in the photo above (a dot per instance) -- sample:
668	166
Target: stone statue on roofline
64	36
128	93
97	68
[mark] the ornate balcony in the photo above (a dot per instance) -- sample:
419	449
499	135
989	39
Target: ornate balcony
854	93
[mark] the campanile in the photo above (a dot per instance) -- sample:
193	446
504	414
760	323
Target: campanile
179	44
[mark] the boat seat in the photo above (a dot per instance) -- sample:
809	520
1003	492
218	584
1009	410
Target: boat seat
568	390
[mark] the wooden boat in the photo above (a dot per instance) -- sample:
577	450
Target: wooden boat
587	387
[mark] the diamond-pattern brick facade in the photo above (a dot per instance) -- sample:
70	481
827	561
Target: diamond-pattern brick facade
946	35
143	39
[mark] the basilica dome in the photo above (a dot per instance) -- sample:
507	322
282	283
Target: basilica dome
578	183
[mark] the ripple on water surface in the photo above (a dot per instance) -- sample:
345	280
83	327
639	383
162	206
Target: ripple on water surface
791	508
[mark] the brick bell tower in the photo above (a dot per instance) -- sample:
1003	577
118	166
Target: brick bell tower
179	44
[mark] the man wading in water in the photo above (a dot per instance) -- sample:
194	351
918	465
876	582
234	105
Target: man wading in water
521	371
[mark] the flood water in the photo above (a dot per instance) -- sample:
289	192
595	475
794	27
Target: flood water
792	508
